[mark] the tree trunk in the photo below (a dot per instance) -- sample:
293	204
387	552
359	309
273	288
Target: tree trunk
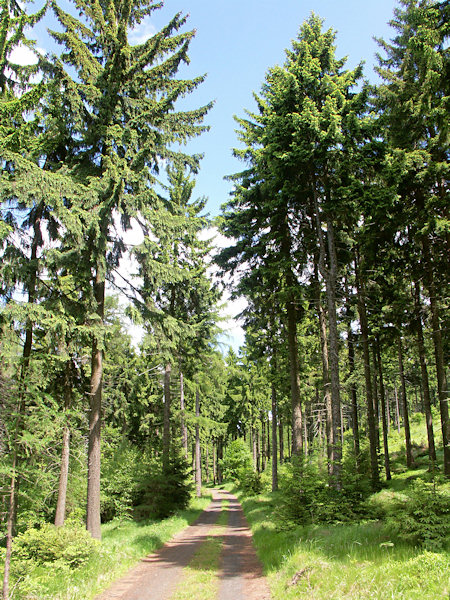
95	401
280	428
297	433
397	410
60	514
378	365
439	355
263	444
166	422
409	456
353	396
333	358
214	451
198	472
325	369
376	407
375	475
274	439
219	458
184	436
424	371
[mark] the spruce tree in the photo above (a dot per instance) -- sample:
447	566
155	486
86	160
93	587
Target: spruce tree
121	123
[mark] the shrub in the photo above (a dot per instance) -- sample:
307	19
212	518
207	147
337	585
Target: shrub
162	494
307	498
250	481
422	516
68	545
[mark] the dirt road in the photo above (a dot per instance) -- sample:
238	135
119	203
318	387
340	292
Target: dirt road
158	575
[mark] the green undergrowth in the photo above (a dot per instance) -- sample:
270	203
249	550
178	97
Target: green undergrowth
124	542
346	561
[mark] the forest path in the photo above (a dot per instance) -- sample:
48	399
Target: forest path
158	575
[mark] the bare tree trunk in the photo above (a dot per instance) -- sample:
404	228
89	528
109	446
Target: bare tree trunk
375	475
424	371
377	363
333	357
376	409
354	399
274	439
263	443
206	462
443	391
409	456
281	436
166	422
219	458
325	369
60	514
397	409
198	466
214	454
95	401
184	436
297	433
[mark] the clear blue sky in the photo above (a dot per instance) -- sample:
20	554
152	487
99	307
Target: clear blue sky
237	41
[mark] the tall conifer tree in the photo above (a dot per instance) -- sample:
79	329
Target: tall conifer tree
121	125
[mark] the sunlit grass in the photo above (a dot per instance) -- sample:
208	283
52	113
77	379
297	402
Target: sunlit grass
124	543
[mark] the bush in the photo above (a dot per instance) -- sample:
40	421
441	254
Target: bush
307	498
237	459
250	481
68	545
162	494
422	516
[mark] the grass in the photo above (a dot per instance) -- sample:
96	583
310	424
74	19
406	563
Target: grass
342	561
124	543
351	561
200	578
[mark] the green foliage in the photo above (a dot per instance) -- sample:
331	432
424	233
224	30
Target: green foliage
161	494
124	467
307	498
70	546
236	460
422	516
250	481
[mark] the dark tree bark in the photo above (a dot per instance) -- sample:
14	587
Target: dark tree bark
274	439
378	365
184	435
353	396
280	429
374	470
166	421
198	465
443	391
409	456
424	372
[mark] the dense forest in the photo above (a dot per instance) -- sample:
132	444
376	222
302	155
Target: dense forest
338	240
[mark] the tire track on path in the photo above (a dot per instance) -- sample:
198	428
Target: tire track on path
156	576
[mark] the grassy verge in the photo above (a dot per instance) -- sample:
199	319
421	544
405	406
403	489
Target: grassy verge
123	544
340	562
200	578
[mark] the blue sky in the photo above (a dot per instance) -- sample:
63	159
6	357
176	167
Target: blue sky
237	41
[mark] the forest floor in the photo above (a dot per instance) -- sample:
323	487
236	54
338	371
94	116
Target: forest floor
213	557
